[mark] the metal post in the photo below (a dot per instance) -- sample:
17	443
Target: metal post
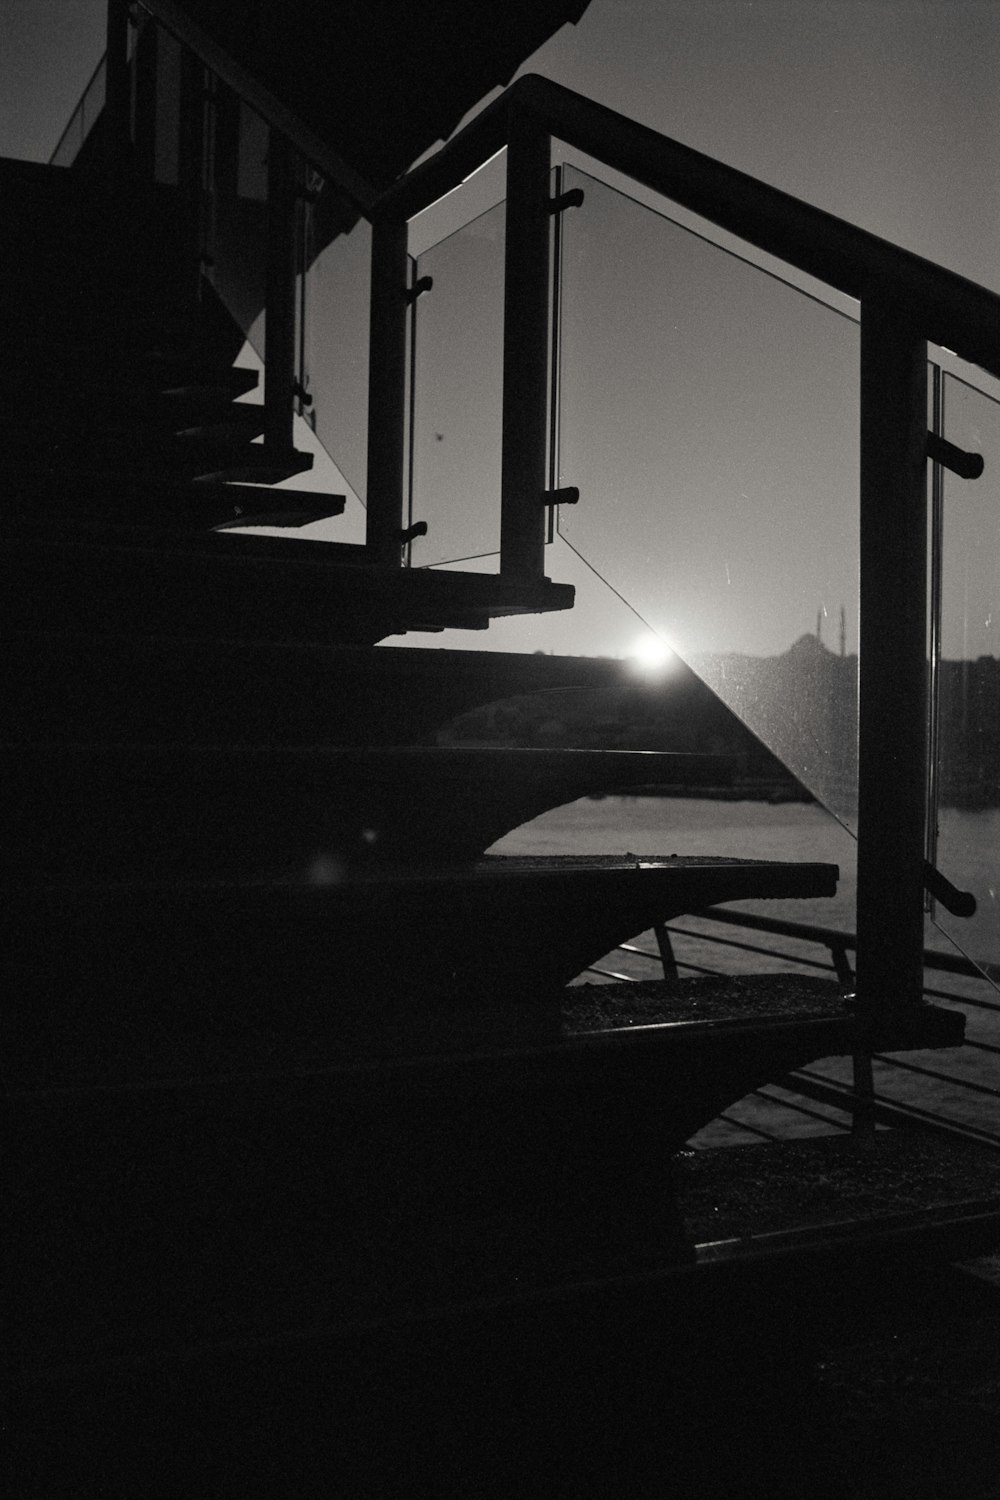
387	391
892	727
144	69
191	162
279	328
936	605
525	349
117	134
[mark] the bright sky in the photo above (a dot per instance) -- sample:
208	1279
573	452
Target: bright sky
49	50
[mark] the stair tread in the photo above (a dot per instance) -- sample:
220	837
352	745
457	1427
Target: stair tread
754	1000
176	811
104	505
232	584
248	972
796	1195
178	686
220	453
777	877
919	1197
145	423
385	757
495	1037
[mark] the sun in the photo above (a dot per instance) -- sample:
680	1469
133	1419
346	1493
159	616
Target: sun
651	653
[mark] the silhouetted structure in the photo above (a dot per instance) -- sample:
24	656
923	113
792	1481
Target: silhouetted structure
310	1130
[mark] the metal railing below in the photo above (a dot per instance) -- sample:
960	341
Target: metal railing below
928	1090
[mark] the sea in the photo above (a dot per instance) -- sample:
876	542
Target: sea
959	1085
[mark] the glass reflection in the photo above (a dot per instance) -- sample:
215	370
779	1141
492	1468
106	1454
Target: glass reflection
709	417
457	394
968	843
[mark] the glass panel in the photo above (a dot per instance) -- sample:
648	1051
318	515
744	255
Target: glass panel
334	335
251	172
239	213
458	388
709	418
168	100
82	121
968	850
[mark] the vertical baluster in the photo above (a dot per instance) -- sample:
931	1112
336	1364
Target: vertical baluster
525	349
279	331
387	390
191	162
144	89
892	738
117	141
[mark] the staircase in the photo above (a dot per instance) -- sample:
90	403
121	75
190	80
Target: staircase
290	1059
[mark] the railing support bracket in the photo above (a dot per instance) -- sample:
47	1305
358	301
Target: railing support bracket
949	456
572	198
419	287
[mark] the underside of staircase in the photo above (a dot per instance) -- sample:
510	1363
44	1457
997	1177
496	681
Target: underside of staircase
294	1067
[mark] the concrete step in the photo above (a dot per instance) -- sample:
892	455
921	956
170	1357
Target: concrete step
96	425
230	587
221	453
121	812
896	1195
430	1185
42	499
116	399
179	687
146	978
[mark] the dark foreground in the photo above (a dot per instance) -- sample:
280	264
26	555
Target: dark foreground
886	1386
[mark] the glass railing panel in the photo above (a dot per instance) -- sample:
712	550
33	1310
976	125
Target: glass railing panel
333	338
457	367
82	120
709	418
968	833
166	155
238	213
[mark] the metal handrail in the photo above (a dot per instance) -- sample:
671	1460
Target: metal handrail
832	937
948	308
834	1093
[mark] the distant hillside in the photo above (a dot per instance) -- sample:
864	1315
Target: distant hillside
676	713
804	700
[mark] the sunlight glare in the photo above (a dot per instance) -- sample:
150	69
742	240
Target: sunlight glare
651	653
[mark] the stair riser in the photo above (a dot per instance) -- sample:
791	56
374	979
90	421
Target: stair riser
177	690
209	975
153	594
158	814
179	1204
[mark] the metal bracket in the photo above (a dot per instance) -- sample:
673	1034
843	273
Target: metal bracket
301	394
965	465
959	903
418	288
573	198
419	528
568	496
